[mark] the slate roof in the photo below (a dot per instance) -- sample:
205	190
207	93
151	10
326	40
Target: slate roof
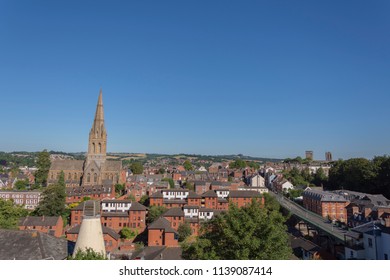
174	212
192	194
32	245
218	183
368	228
200	183
162	223
112	165
324	196
243	194
45	221
190	207
159	253
299	242
206	210
88	190
157	195
106	230
136	206
117	201
67	164
209	194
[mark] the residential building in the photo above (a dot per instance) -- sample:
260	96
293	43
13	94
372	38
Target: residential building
160	233
46	224
370	241
326	204
27	199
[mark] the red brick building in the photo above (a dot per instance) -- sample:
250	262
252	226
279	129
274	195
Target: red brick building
76	194
45	224
326	204
171	198
160	233
115	214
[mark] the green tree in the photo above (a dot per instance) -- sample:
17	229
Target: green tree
237	164
190	186
21	185
43	165
155	212
161	171
356	174
295	177
320	177
144	200
127	233
10	214
184	230
53	199
188	165
119	189
254	232
131	197
294	193
88	254
253	165
137	168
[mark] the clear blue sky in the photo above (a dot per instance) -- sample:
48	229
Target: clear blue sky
262	78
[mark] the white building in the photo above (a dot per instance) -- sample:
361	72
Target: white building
370	241
257	181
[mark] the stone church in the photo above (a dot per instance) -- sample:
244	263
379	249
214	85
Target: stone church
95	170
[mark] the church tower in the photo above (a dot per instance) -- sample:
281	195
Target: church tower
97	147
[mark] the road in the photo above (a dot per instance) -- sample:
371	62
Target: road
311	218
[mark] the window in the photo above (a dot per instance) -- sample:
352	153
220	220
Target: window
386	257
370	242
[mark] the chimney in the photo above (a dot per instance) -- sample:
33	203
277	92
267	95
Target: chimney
387	222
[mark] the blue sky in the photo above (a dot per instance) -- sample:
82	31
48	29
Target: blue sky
262	78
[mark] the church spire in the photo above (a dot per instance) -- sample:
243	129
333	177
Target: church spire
97	146
99	115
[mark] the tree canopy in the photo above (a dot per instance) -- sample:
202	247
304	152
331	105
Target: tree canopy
362	175
255	232
184	230
237	164
155	212
128	233
137	168
21	185
188	165
88	254
10	214
43	165
53	199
